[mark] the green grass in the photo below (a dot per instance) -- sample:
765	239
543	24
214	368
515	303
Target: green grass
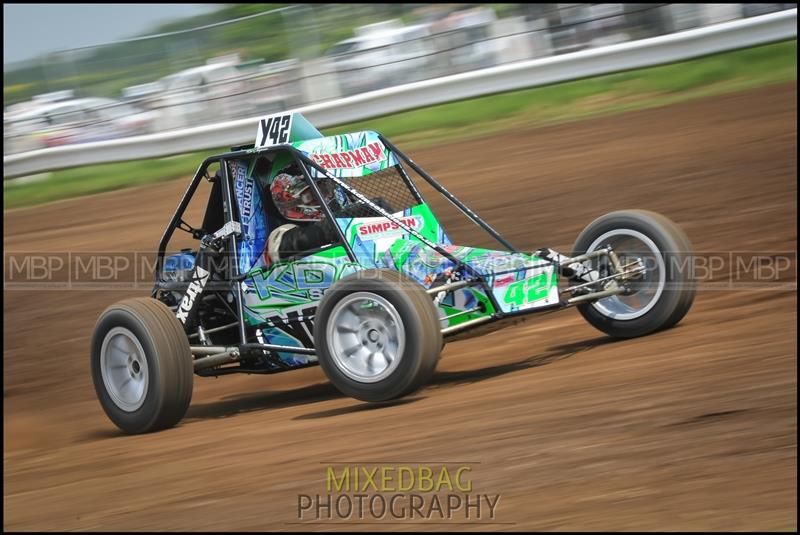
653	86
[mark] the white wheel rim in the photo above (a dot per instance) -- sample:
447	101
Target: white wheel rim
650	285
123	367
366	337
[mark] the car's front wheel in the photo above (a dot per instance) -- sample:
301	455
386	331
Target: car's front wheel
142	365
655	300
377	335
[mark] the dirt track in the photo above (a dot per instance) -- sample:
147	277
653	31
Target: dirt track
692	428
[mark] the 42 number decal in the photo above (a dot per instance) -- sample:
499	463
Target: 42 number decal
529	290
273	130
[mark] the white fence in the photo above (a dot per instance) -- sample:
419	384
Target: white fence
524	74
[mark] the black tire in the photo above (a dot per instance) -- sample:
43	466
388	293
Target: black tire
675	249
169	364
422	334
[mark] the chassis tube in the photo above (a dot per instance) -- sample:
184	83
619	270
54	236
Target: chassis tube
216	359
232	214
595	296
411	185
276	347
176	217
213	350
210	350
449	196
467	325
463	313
583	257
451	286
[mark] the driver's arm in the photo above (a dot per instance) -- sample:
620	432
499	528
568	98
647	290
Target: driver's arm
291	240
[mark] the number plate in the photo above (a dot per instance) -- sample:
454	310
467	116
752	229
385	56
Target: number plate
274	130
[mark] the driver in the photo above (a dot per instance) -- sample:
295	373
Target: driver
307	228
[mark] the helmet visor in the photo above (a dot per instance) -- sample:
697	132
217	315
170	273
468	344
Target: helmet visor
295	200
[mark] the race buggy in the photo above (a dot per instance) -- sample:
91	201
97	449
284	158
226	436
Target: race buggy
375	306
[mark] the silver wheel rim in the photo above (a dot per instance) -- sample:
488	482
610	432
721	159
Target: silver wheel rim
123	367
646	290
366	337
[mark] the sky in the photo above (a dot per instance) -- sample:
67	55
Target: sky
33	29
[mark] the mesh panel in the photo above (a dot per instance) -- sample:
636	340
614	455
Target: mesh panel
385	188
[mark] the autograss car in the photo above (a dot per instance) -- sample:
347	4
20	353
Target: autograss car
375	306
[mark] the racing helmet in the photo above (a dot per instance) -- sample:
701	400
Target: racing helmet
294	199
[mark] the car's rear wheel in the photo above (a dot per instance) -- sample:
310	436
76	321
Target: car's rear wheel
377	335
142	365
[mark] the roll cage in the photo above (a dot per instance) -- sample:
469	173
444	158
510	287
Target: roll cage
225	238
